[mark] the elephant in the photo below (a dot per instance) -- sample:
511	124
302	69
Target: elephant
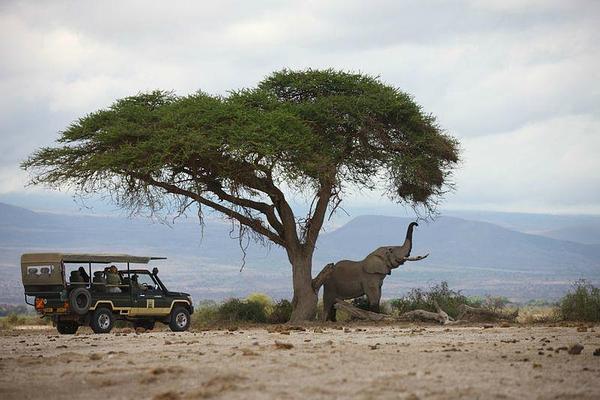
351	279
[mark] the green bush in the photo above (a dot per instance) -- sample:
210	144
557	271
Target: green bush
234	310
361	302
495	303
280	312
582	303
449	300
256	308
205	313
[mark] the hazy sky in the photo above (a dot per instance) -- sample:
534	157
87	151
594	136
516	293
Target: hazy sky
518	82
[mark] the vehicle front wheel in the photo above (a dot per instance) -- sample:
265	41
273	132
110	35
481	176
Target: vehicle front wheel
180	319
102	320
67	327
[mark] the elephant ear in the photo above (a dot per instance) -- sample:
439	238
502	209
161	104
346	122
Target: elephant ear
376	264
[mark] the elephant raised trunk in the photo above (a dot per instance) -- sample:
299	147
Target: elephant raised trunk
409	231
351	279
408	240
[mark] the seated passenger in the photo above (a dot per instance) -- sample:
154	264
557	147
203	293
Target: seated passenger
84	275
113	278
99	282
135	285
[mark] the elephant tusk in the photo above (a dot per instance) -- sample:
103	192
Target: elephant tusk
416	258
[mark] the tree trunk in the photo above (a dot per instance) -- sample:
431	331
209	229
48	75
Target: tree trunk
304	303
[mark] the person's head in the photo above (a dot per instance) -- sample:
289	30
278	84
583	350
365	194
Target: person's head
113	269
81	269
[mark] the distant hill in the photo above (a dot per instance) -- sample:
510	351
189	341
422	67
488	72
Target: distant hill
584	233
540	224
477	257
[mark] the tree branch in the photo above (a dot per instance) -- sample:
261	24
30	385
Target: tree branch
315	223
252	223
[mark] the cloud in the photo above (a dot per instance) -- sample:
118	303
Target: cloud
543	166
488	70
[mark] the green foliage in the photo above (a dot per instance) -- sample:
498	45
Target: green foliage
263	299
449	300
361	302
234	310
582	303
256	308
495	303
305	129
280	312
206	313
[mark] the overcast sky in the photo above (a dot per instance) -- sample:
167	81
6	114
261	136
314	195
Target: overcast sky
518	82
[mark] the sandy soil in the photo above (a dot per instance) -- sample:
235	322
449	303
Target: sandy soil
359	362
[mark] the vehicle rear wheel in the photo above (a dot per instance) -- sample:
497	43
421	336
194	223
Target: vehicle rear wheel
102	320
67	327
180	319
146	324
80	300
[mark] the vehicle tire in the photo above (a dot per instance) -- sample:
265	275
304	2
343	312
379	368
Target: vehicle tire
67	327
102	320
180	319
146	324
80	300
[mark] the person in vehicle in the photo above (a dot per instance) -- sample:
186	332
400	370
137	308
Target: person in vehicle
84	275
136	285
113	278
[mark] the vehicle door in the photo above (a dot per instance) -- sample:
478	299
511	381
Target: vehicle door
147	294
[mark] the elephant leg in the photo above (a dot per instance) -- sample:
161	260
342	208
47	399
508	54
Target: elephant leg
373	293
329	310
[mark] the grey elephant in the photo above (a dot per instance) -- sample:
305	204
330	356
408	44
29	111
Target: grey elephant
351	279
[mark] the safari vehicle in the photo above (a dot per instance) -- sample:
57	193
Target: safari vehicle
139	296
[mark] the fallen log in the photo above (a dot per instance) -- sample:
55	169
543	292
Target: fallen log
467	314
360	313
415	315
476	314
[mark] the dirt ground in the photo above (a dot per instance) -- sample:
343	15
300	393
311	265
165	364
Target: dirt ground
327	362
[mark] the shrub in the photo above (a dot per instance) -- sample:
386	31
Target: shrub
449	300
361	302
495	303
538	314
239	310
263	299
582	303
206	313
280	312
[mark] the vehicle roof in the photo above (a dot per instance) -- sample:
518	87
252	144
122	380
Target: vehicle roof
102	258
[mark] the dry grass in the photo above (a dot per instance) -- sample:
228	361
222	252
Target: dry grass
538	315
13	320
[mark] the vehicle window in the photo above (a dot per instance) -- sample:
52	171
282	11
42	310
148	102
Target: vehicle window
40	270
146	280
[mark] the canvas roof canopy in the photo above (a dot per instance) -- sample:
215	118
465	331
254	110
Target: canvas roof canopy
102	258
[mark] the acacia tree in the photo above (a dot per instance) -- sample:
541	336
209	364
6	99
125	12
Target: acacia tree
318	132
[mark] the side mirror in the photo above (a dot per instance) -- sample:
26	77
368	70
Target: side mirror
154	271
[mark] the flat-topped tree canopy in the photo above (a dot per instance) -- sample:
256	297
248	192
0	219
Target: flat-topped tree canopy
102	258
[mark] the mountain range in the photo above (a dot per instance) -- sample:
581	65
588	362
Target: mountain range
479	253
